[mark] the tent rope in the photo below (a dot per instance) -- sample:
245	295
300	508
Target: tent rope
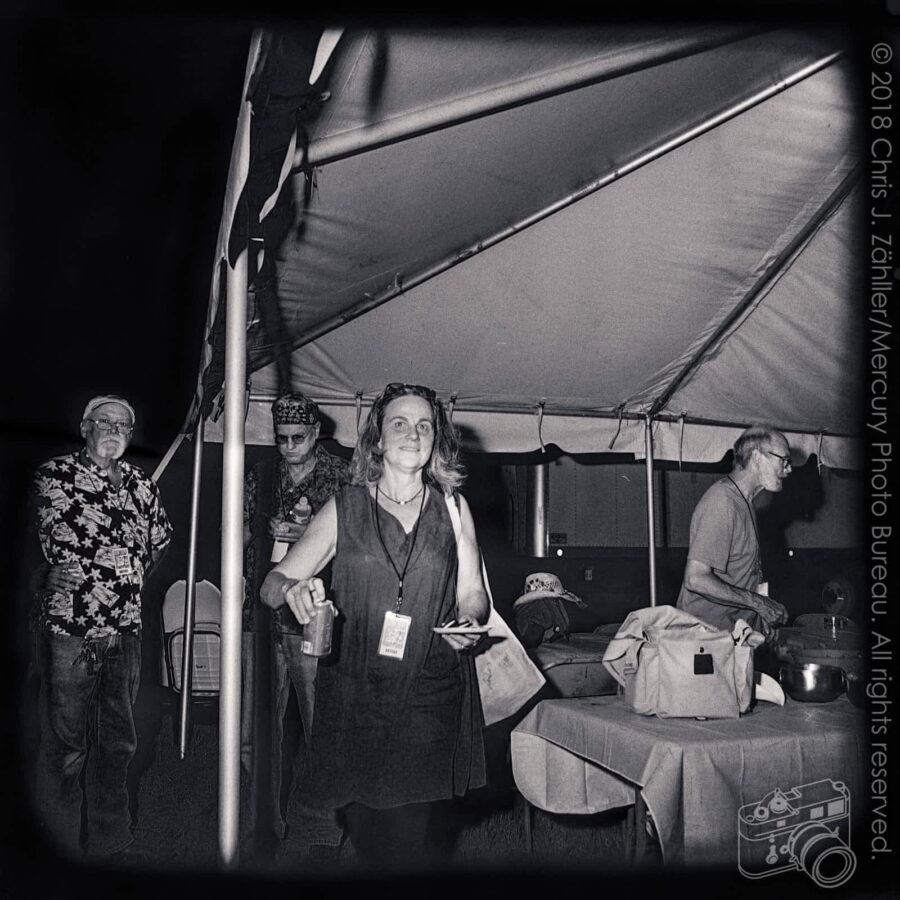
620	409
540	415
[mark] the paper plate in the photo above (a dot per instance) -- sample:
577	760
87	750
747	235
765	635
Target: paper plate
462	629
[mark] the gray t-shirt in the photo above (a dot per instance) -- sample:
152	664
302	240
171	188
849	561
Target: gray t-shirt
723	536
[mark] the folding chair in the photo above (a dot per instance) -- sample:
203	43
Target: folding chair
207	641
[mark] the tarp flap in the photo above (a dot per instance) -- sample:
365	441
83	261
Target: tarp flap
491	432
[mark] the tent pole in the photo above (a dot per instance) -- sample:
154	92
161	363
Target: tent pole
539	523
232	575
651	519
157	472
187	661
232	559
237	178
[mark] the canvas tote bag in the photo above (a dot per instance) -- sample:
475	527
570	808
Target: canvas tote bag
671	664
507	678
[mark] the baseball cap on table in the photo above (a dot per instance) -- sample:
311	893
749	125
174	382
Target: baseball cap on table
94	402
539	585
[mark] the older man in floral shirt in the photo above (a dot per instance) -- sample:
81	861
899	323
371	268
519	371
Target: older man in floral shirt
101	528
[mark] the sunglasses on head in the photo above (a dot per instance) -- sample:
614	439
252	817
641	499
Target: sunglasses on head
400	389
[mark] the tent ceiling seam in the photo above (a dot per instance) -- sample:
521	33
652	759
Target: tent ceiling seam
772	273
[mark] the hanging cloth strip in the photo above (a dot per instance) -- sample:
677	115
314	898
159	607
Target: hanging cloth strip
621	411
819	452
540	415
450	405
359	396
681	442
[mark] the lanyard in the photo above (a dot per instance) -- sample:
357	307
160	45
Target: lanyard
400	575
752	522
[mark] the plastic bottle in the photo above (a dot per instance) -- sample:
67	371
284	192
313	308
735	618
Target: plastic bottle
302	511
317	633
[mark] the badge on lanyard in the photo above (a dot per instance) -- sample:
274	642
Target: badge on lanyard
121	560
279	549
394	633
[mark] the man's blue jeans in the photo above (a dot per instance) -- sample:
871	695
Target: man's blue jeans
88	690
289	665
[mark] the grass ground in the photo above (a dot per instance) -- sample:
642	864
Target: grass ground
176	823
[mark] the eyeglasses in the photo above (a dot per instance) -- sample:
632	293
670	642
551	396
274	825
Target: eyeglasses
107	426
399	389
785	460
297	438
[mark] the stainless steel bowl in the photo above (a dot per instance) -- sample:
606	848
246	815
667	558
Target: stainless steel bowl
811	683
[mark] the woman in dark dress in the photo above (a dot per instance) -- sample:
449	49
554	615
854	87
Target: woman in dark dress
398	722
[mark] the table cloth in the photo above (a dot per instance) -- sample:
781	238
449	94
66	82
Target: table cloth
589	754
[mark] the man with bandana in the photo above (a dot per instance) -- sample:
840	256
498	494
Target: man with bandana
101	529
280	495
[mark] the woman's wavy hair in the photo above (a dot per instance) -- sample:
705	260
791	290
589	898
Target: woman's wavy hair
444	470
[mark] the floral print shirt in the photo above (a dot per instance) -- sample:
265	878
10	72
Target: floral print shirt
109	534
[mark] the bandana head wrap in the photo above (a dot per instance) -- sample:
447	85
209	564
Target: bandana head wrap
294	409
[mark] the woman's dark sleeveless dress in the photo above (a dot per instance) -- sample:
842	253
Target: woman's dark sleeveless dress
386	731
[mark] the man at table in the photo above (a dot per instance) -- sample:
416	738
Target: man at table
723	577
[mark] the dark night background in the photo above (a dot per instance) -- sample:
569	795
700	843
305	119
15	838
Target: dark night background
122	137
117	133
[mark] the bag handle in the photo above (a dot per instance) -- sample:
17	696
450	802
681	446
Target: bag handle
507	677
453	508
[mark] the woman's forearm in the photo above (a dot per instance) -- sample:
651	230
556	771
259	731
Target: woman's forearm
474	605
273	588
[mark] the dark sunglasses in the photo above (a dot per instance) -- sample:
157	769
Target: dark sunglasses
297	438
399	389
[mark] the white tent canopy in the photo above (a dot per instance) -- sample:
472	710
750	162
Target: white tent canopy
564	232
